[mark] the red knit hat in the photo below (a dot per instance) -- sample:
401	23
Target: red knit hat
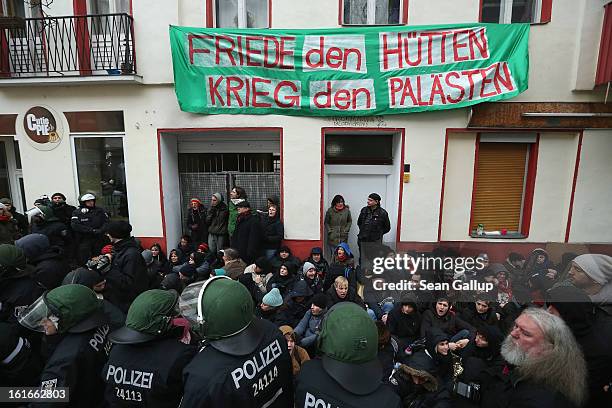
196	200
107	249
203	247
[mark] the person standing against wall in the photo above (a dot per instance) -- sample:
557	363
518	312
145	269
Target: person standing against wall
338	222
373	223
237	195
216	218
196	221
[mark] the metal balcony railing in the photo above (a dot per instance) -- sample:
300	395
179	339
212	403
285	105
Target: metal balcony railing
92	45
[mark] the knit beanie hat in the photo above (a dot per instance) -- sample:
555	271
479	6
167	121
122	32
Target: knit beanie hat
273	298
375	196
118	229
147	255
320	300
597	266
307	266
218	196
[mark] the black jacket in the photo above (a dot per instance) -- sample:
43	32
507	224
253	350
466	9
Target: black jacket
64	212
76	363
87	222
51	267
247	238
127	277
351	296
22	222
404	326
273	232
197	219
57	232
470	315
218	380
373	224
15	295
346	269
156	367
449	323
314	385
216	218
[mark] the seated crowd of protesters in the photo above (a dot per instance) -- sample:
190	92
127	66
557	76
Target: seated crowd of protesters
438	348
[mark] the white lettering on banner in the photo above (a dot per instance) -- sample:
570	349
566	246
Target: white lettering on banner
345	53
39	125
122	376
448	88
351	95
313	402
251	367
429	48
238	91
220	50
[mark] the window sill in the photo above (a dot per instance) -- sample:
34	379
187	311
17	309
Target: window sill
509	235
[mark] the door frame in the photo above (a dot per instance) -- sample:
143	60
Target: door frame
14	174
399	141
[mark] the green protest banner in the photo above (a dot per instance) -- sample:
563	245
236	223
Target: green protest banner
349	71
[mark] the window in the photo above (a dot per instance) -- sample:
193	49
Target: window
515	11
19	8
373	12
503	187
359	149
242	13
101	171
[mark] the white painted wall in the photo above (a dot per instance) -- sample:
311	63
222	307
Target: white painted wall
590	22
458	186
592	212
553	186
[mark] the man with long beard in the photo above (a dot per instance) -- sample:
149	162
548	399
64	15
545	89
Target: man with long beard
546	367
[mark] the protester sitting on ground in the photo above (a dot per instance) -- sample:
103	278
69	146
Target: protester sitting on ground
343	264
316	258
342	292
283	279
310	275
234	265
404	321
298	355
441	317
309	326
284	256
270	305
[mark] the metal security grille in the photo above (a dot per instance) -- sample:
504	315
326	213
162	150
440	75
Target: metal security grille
259	186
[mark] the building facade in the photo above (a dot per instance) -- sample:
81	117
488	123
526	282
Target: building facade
531	171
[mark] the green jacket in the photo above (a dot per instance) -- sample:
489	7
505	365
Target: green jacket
338	225
233	215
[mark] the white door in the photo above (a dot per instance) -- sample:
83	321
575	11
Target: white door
355	184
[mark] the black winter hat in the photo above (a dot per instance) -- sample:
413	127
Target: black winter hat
321	300
188	270
375	196
118	229
59	194
243	204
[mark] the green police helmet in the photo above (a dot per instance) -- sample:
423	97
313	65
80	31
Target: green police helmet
349	343
148	317
224	315
77	307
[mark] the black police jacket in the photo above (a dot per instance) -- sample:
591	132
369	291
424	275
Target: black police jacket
315	388
75	364
148	374
87	222
127	277
16	295
247	238
261	379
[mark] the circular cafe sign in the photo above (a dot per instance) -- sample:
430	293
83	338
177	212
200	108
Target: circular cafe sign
42	128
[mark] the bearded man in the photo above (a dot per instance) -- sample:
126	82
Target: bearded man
545	366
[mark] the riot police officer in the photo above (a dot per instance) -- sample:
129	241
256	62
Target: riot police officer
87	222
147	358
349	372
72	316
244	361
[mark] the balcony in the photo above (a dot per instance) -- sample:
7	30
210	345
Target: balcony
69	50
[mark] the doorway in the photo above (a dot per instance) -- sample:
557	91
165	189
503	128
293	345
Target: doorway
358	164
11	174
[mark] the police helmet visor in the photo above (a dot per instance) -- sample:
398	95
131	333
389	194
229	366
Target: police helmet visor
34	316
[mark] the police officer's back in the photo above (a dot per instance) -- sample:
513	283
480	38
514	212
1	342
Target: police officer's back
349	373
145	366
74	313
244	361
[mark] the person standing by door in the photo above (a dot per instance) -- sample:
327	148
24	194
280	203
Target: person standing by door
338	222
216	218
237	195
373	223
196	222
